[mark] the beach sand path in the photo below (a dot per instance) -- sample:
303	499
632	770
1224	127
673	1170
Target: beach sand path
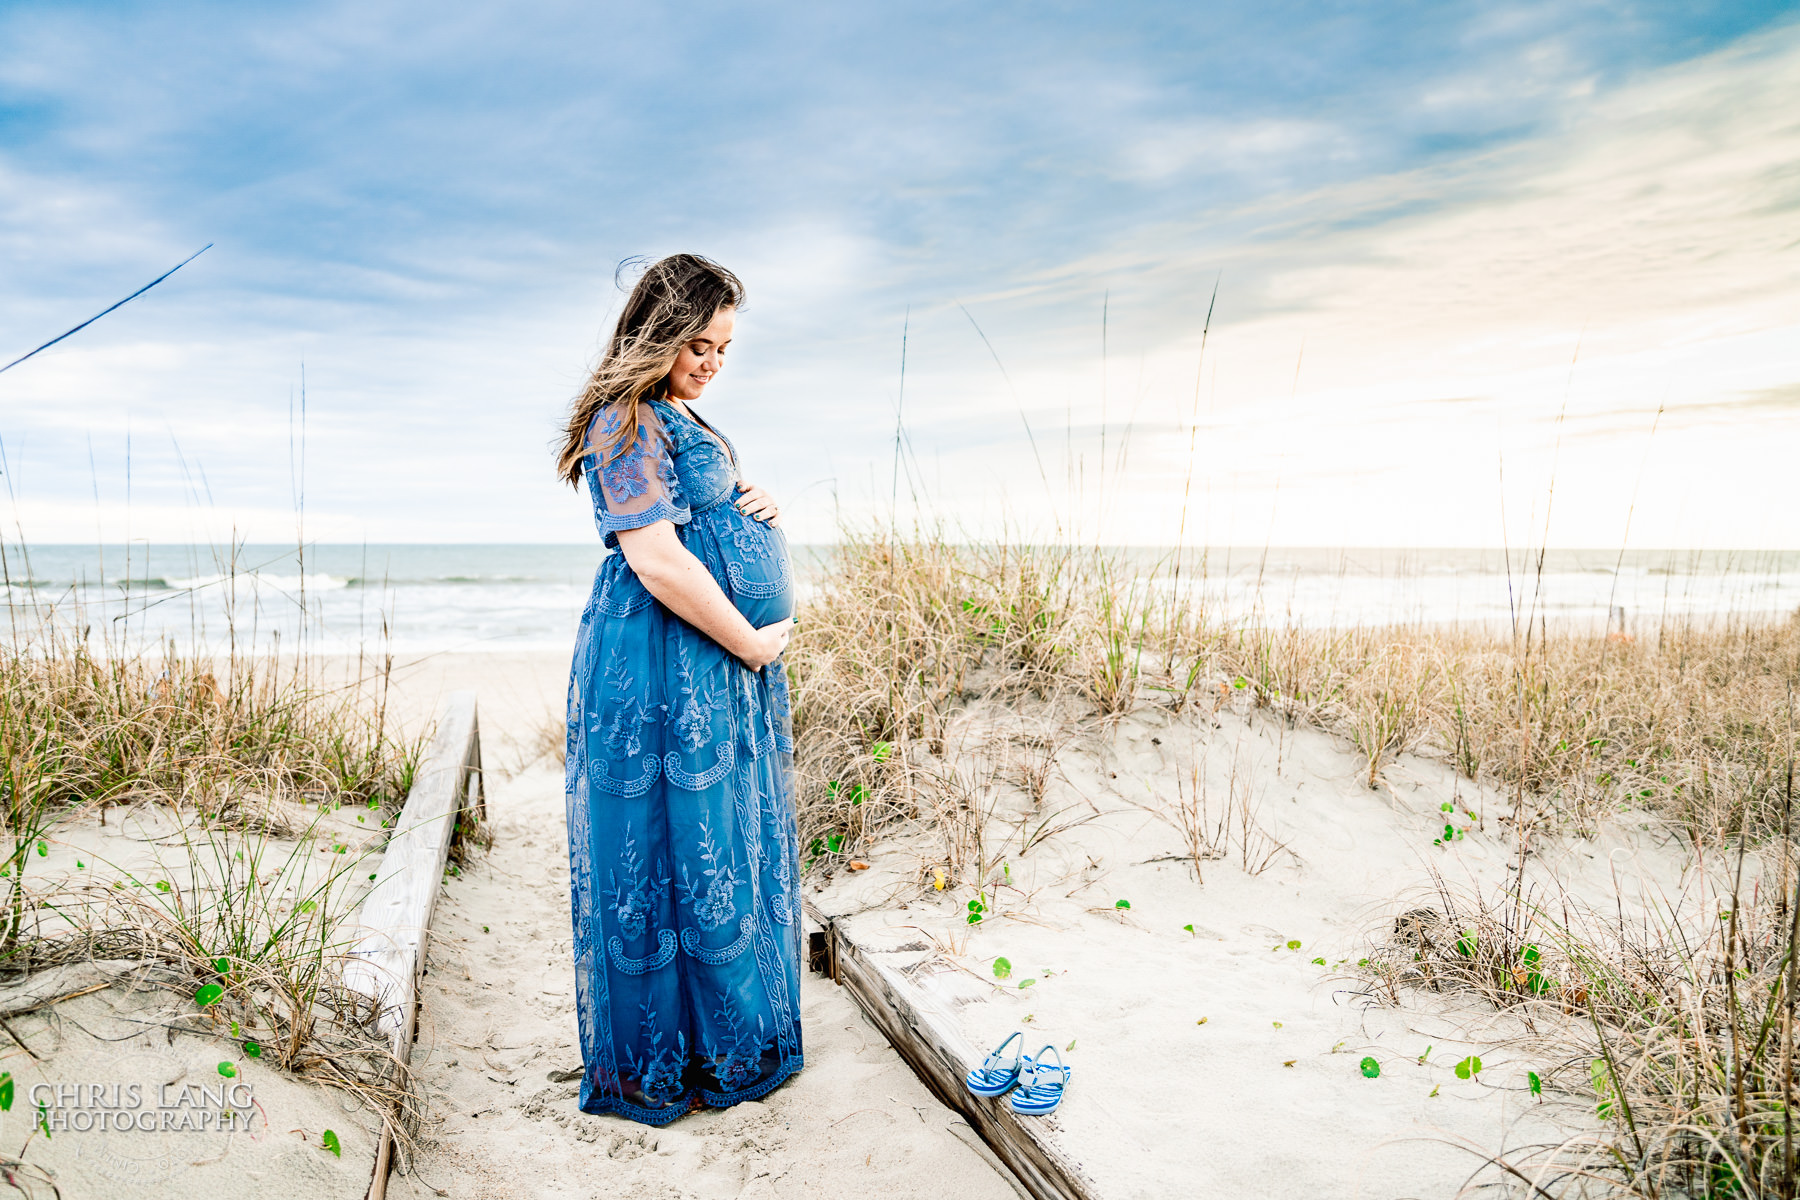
499	1016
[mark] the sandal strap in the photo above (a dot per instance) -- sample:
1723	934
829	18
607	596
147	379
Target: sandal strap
1039	1067
993	1060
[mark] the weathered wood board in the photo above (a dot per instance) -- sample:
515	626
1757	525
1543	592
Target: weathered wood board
395	918
923	1029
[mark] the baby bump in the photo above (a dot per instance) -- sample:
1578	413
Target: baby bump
758	577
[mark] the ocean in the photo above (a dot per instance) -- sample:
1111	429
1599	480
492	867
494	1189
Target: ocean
432	598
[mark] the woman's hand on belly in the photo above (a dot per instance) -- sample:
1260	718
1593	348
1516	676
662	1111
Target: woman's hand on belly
757	503
770	641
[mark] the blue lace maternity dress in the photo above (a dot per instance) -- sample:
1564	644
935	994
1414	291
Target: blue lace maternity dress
681	825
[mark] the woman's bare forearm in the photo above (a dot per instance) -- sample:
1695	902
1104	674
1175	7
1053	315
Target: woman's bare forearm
670	572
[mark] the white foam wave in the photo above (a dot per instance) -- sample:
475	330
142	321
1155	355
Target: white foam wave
258	579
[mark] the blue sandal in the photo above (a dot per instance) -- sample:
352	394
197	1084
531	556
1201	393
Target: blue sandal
997	1073
1041	1084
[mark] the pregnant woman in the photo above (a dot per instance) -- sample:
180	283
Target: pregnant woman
682	847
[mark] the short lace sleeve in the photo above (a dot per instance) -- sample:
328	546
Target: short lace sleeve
638	486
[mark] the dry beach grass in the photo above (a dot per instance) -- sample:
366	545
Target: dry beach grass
931	680
1678	1032
253	793
1692	722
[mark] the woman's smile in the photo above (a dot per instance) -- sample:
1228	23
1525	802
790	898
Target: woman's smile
701	357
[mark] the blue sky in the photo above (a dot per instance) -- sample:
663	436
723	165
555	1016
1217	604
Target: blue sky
1461	250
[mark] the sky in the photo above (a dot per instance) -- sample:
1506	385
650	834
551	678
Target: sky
1478	274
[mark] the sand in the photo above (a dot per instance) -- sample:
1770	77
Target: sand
1215	1060
130	1032
178	1147
1220	1061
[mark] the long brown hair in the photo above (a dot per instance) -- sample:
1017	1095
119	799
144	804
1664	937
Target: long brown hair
673	303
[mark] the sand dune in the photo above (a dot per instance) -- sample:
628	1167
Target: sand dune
1217	1030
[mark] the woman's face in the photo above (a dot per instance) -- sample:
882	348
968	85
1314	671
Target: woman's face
702	358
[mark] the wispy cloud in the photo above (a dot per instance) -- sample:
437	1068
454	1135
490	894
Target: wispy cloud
424	205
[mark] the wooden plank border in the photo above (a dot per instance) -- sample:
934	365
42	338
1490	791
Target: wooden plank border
395	918
927	1035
